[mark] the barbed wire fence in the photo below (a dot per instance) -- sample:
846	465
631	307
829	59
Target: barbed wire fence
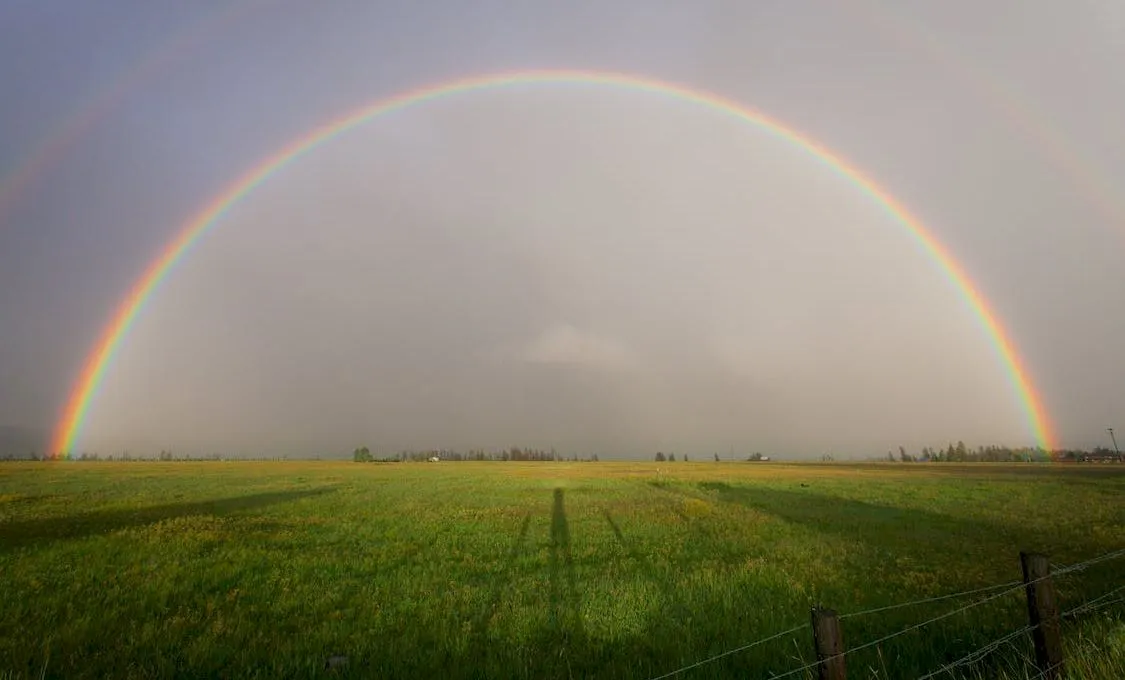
985	595
979	654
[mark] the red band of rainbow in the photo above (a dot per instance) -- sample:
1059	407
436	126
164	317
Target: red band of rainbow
85	389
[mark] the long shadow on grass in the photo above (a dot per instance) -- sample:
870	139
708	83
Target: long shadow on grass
500	584
683	627
963	547
703	535
911	531
50	529
559	647
677	609
566	619
954	547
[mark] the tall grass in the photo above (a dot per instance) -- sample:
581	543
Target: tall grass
538	569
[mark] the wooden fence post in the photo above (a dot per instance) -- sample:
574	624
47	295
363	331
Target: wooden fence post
829	641
1043	612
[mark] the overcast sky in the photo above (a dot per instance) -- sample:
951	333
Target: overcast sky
590	268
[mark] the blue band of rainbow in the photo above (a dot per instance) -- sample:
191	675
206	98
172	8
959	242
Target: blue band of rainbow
85	389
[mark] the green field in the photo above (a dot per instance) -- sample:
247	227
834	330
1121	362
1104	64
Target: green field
539	570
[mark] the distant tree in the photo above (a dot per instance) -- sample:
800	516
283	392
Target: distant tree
890	457
362	455
595	459
659	457
951	454
902	454
685	457
671	458
961	452
716	458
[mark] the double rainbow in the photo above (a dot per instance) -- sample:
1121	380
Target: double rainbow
85	389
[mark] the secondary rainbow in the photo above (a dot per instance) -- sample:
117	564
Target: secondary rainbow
1093	185
100	358
52	150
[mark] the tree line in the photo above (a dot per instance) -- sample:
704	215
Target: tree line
951	453
959	453
515	453
127	457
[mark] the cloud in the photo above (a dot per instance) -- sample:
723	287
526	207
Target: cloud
562	343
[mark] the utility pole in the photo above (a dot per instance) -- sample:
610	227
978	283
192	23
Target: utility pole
1114	440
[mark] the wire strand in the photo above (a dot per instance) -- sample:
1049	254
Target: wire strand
927	600
1009	587
906	630
728	653
978	654
1096	603
1063	570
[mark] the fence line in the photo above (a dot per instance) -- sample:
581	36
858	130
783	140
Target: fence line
1012	586
904	631
939	598
771	638
1096	603
974	656
978	654
1090	562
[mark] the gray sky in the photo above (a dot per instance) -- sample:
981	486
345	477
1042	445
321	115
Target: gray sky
591	268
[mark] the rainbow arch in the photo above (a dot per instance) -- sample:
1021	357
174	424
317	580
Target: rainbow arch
85	389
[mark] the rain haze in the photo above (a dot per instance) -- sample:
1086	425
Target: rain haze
592	267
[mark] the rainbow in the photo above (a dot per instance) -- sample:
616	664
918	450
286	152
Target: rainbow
72	129
85	389
1093	186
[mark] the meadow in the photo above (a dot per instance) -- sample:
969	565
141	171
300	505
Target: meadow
541	570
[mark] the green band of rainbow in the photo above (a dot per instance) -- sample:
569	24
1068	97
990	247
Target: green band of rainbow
78	403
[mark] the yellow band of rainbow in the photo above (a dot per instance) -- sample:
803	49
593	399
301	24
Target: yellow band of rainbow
78	403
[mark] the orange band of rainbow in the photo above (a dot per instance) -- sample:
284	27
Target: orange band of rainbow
78	403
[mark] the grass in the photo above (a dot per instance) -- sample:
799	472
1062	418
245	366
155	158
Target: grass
538	570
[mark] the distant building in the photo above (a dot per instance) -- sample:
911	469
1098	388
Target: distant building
1099	456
